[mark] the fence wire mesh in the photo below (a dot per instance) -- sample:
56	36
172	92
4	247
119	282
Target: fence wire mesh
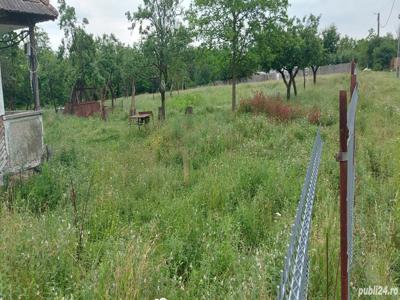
294	277
351	176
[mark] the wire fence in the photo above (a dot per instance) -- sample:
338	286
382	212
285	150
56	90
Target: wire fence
351	176
294	277
294	280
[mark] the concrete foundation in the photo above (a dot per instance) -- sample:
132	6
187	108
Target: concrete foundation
21	142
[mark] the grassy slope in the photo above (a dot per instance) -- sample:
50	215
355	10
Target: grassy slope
148	235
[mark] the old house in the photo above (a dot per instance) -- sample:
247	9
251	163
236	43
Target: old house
21	132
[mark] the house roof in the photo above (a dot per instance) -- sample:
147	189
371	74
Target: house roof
26	12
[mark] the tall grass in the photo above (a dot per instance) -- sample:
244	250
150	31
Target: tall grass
150	232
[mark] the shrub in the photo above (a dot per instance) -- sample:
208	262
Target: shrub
272	106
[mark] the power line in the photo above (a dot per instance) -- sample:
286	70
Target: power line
14	41
390	15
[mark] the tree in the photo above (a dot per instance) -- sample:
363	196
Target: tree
330	39
179	63
285	48
159	24
135	69
53	86
209	65
15	73
80	49
384	53
373	51
110	63
136	74
234	25
346	51
313	52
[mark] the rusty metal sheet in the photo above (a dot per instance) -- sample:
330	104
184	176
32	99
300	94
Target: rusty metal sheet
85	109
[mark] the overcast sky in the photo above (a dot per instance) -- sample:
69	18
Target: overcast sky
352	17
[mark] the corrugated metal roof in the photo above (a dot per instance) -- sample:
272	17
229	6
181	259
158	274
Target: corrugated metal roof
34	7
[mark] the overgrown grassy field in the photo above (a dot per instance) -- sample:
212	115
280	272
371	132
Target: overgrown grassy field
112	215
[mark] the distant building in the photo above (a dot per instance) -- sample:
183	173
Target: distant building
259	77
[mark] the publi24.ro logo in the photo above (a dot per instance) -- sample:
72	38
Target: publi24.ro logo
378	291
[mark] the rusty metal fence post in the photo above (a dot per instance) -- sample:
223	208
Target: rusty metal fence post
346	158
353	83
294	277
342	158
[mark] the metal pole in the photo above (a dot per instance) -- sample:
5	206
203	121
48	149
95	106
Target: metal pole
343	196
34	67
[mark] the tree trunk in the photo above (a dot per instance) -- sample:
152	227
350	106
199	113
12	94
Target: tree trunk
133	101
162	92
304	77
289	89
293	74
162	117
234	83
112	96
288	84
294	86
315	71
103	106
55	105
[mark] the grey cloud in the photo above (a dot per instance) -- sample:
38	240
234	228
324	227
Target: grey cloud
352	17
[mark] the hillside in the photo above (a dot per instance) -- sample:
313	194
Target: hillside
222	234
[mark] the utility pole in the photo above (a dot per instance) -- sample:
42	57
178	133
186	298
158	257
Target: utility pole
398	53
379	24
